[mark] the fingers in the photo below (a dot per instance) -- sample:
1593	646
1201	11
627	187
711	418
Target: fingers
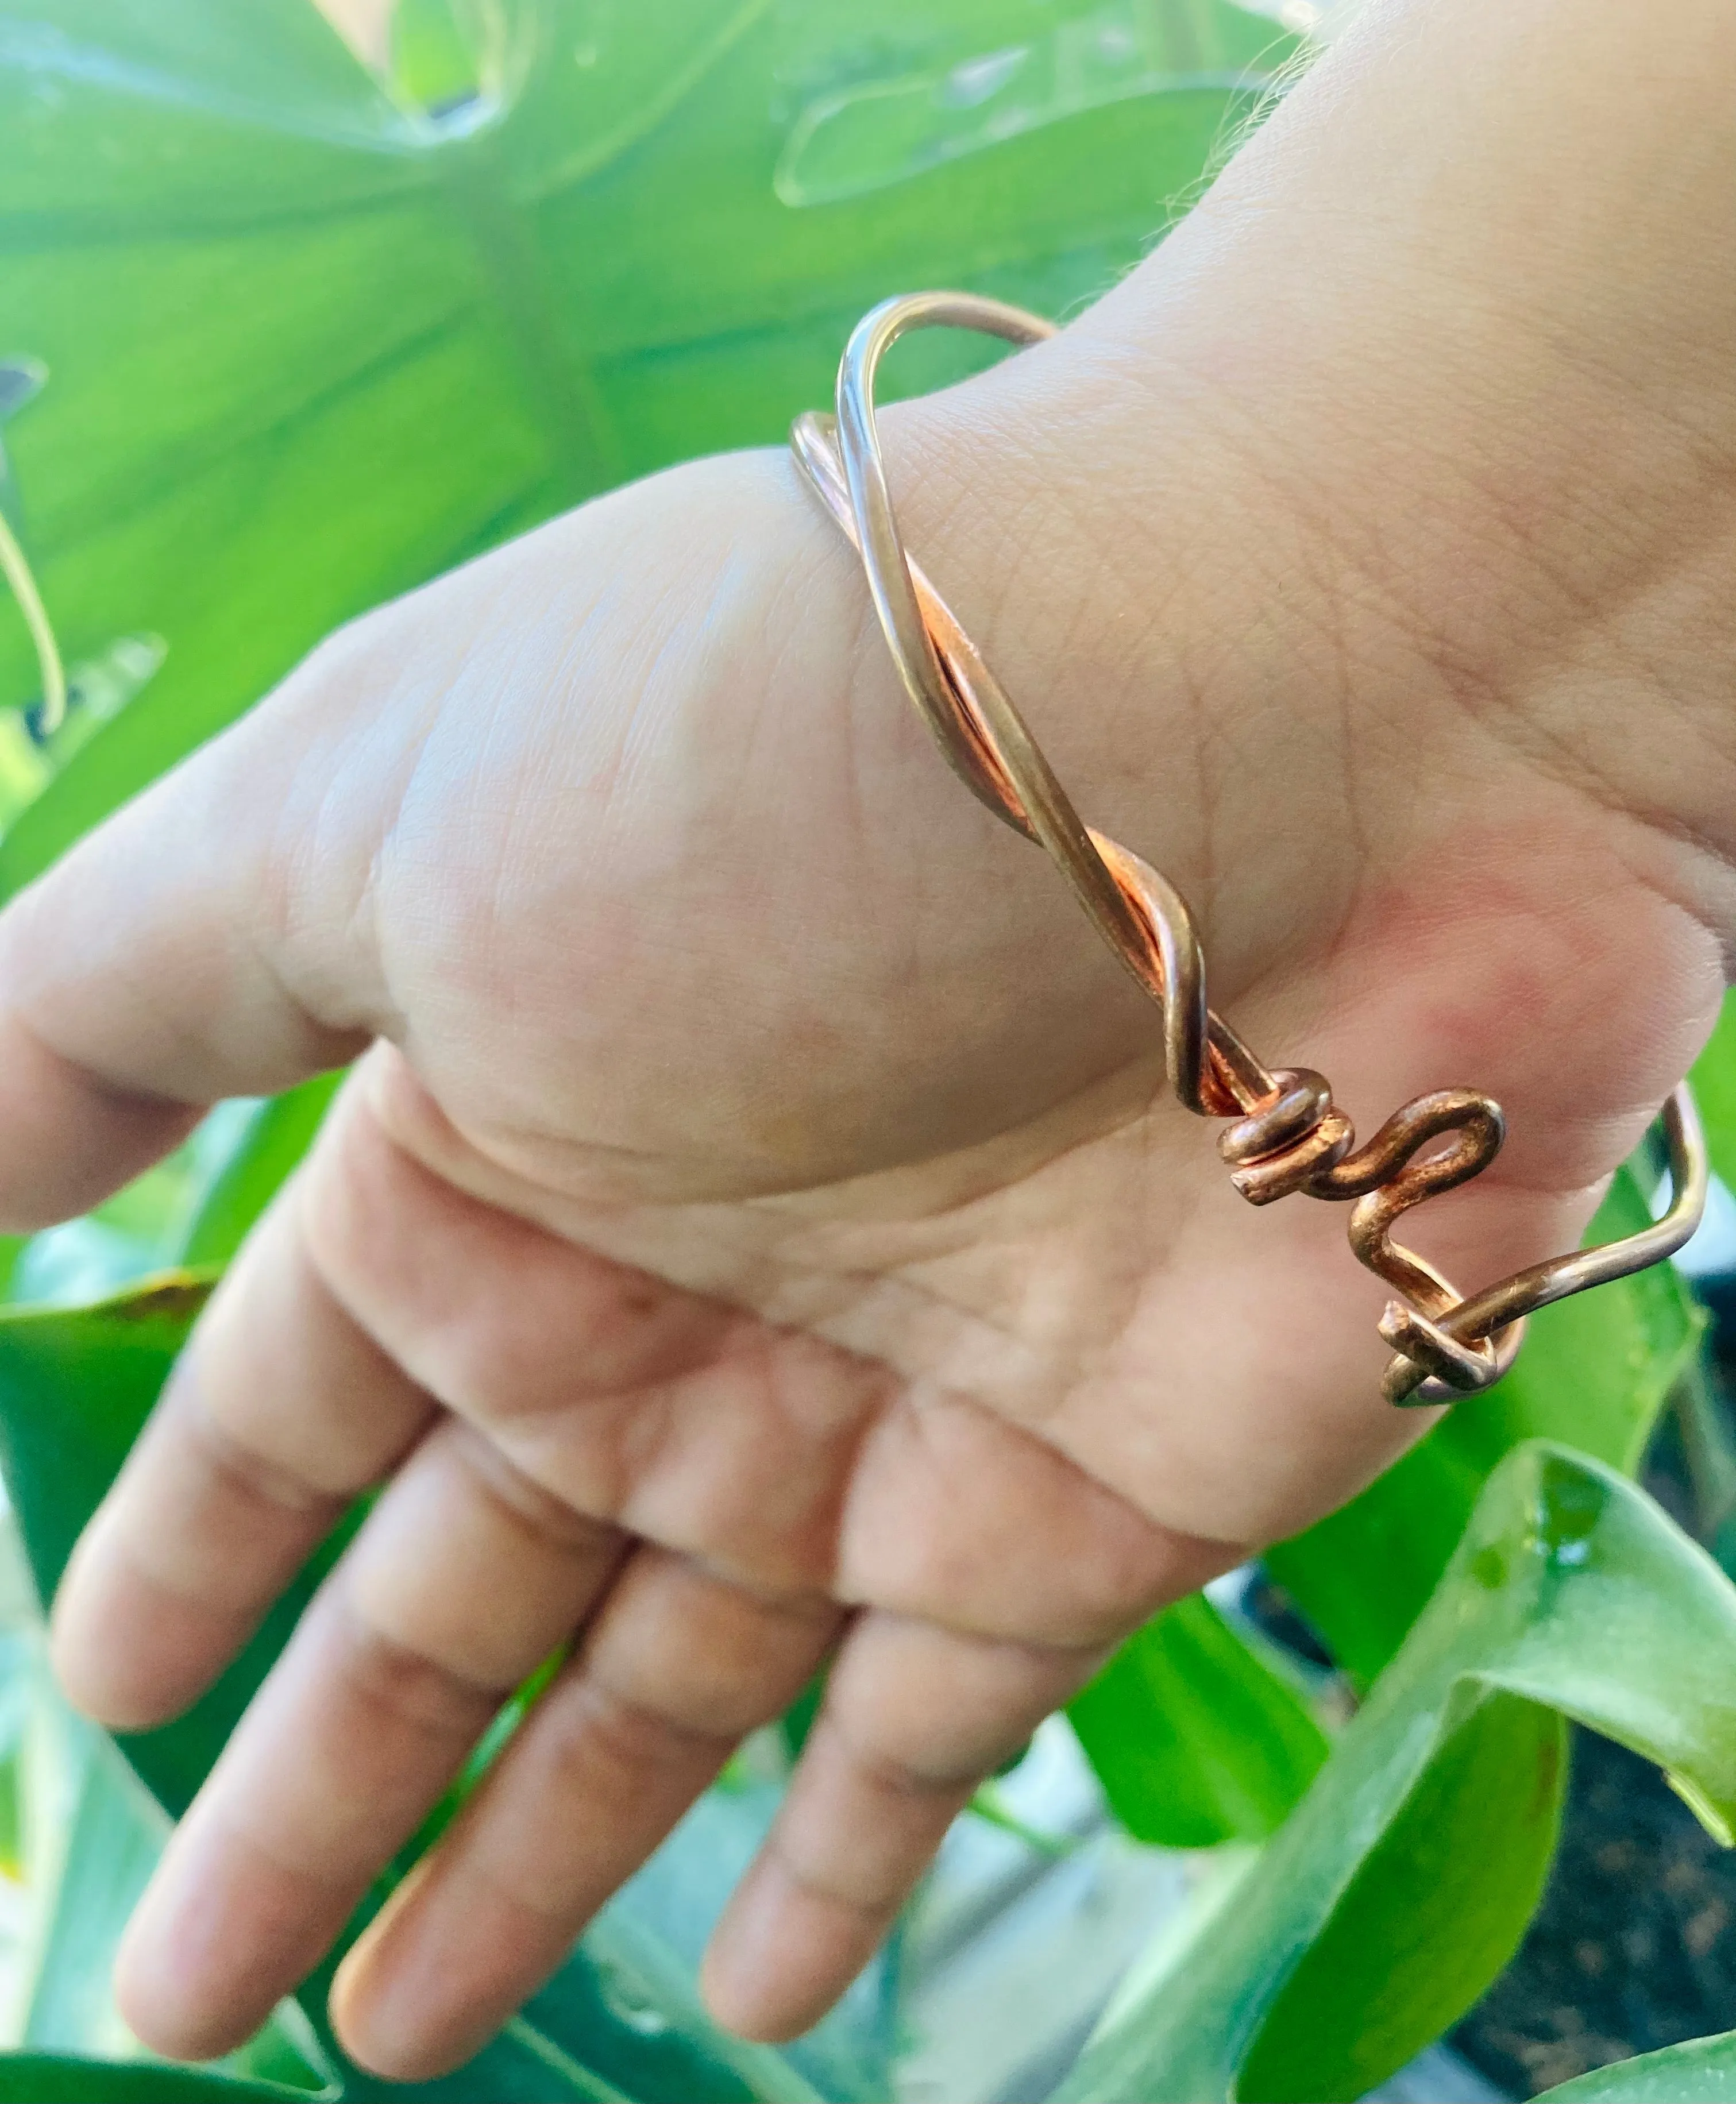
71	1138
676	1668
463	1578
914	1718
783	1462
590	1401
279	1413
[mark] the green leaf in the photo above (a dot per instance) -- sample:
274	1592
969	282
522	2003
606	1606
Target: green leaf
434	65
1714	1081
277	1133
76	1385
17	1676
45	2077
99	1868
1387	1973
1194	1740
1572	1591
306	347
1593	1373
1699	2071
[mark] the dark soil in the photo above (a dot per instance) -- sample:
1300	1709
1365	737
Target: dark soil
1635	1944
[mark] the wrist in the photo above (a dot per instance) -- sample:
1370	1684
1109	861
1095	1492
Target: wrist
1364	452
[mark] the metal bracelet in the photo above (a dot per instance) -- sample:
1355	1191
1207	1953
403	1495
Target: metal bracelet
1288	1134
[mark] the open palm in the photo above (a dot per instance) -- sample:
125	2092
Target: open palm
756	1232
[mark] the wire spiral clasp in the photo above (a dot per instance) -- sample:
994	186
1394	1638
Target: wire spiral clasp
1288	1134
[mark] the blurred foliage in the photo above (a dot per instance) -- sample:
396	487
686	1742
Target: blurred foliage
311	337
1194	1737
279	339
46	2077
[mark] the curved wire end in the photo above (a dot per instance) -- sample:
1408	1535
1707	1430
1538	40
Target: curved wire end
1288	1136
1497	1313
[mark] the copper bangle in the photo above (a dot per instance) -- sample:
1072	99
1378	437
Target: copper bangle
1288	1136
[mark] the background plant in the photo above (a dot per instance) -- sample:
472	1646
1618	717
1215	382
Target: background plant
281	338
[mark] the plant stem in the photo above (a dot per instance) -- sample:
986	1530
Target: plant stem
52	713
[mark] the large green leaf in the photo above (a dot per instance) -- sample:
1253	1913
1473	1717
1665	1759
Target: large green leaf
75	1386
1432	1914
1595	1371
1700	2072
44	2078
1194	1740
306	347
1572	1591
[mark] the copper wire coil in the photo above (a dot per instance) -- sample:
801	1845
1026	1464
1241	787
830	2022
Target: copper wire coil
1288	1134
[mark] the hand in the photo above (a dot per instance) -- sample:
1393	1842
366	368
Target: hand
756	1231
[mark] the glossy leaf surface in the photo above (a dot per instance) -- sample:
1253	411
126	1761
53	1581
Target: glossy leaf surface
1595	1372
1572	1591
1431	1916
1194	1740
1699	2071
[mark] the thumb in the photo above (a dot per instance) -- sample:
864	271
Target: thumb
196	946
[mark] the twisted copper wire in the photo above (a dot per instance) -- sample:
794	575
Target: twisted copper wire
1288	1134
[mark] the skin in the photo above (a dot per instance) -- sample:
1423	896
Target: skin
757	1230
